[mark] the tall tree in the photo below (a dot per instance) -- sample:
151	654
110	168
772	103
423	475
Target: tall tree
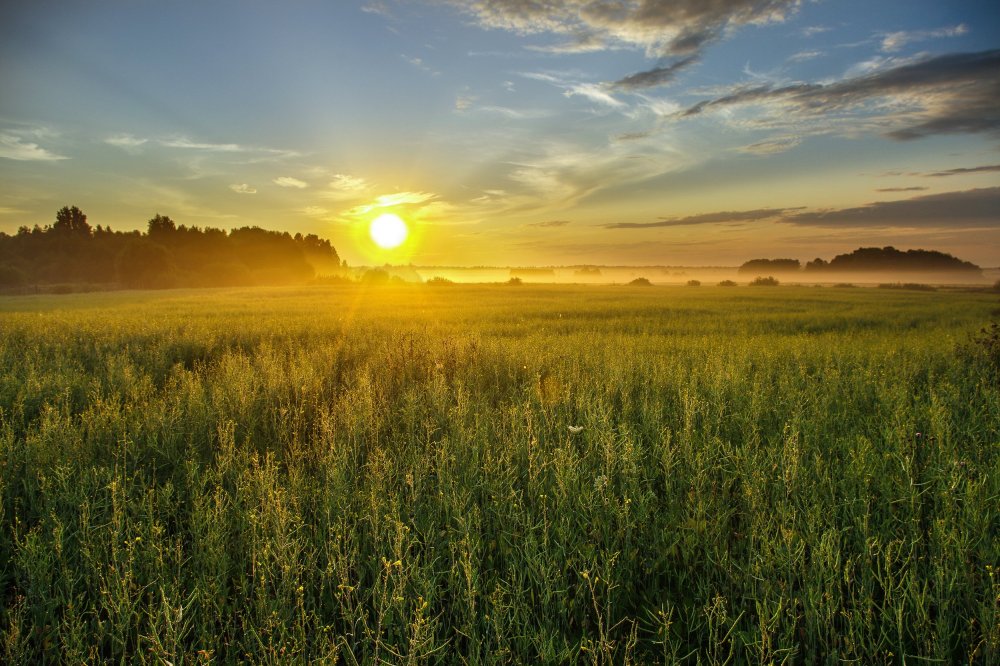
71	220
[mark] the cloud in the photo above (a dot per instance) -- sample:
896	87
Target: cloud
258	153
916	188
12	147
288	181
344	186
125	141
188	144
346	183
804	55
657	76
962	171
595	93
376	7
243	188
947	94
706	218
403	199
813	30
420	64
772	146
661	28
978	208
464	102
550	223
894	41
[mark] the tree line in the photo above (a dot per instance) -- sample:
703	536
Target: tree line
869	259
71	251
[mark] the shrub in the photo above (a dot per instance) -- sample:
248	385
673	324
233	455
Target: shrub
727	283
768	281
845	285
437	281
910	286
514	282
640	282
375	276
694	283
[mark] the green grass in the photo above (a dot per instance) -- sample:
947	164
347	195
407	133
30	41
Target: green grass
385	476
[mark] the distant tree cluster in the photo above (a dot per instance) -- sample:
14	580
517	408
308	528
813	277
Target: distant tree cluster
167	255
868	259
758	266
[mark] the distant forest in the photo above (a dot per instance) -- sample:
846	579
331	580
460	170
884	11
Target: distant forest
70	251
868	259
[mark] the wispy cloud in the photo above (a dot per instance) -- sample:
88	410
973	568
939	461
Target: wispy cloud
894	41
13	147
662	29
288	181
979	208
550	223
657	76
595	93
243	188
376	7
188	144
813	30
344	186
915	188
420	64
679	27
964	170
125	141
772	146
707	218
947	94
802	56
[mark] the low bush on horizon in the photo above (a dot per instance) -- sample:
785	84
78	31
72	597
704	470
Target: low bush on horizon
640	282
727	283
579	474
768	281
910	286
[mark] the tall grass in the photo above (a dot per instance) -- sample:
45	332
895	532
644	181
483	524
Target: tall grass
388	476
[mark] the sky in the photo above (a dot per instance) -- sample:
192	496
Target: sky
514	132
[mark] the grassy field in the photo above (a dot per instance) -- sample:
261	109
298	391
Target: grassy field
802	475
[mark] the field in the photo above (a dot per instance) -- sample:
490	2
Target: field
335	474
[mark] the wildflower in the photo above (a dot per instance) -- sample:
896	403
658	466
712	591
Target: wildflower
575	430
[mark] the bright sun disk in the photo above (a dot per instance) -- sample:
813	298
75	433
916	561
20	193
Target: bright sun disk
388	231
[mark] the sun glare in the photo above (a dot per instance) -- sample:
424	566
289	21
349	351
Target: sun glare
388	231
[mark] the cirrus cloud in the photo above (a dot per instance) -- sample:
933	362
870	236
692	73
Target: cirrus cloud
288	181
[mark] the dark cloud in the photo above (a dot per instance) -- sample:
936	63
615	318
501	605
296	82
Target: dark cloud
961	171
550	223
657	76
957	93
706	218
661	27
900	189
970	208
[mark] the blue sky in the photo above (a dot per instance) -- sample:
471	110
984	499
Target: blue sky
515	131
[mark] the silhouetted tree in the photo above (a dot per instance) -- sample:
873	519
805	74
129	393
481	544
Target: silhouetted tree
161	225
71	220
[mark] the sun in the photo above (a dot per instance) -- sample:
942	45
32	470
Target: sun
388	231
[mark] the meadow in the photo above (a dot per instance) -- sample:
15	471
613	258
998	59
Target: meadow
489	474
